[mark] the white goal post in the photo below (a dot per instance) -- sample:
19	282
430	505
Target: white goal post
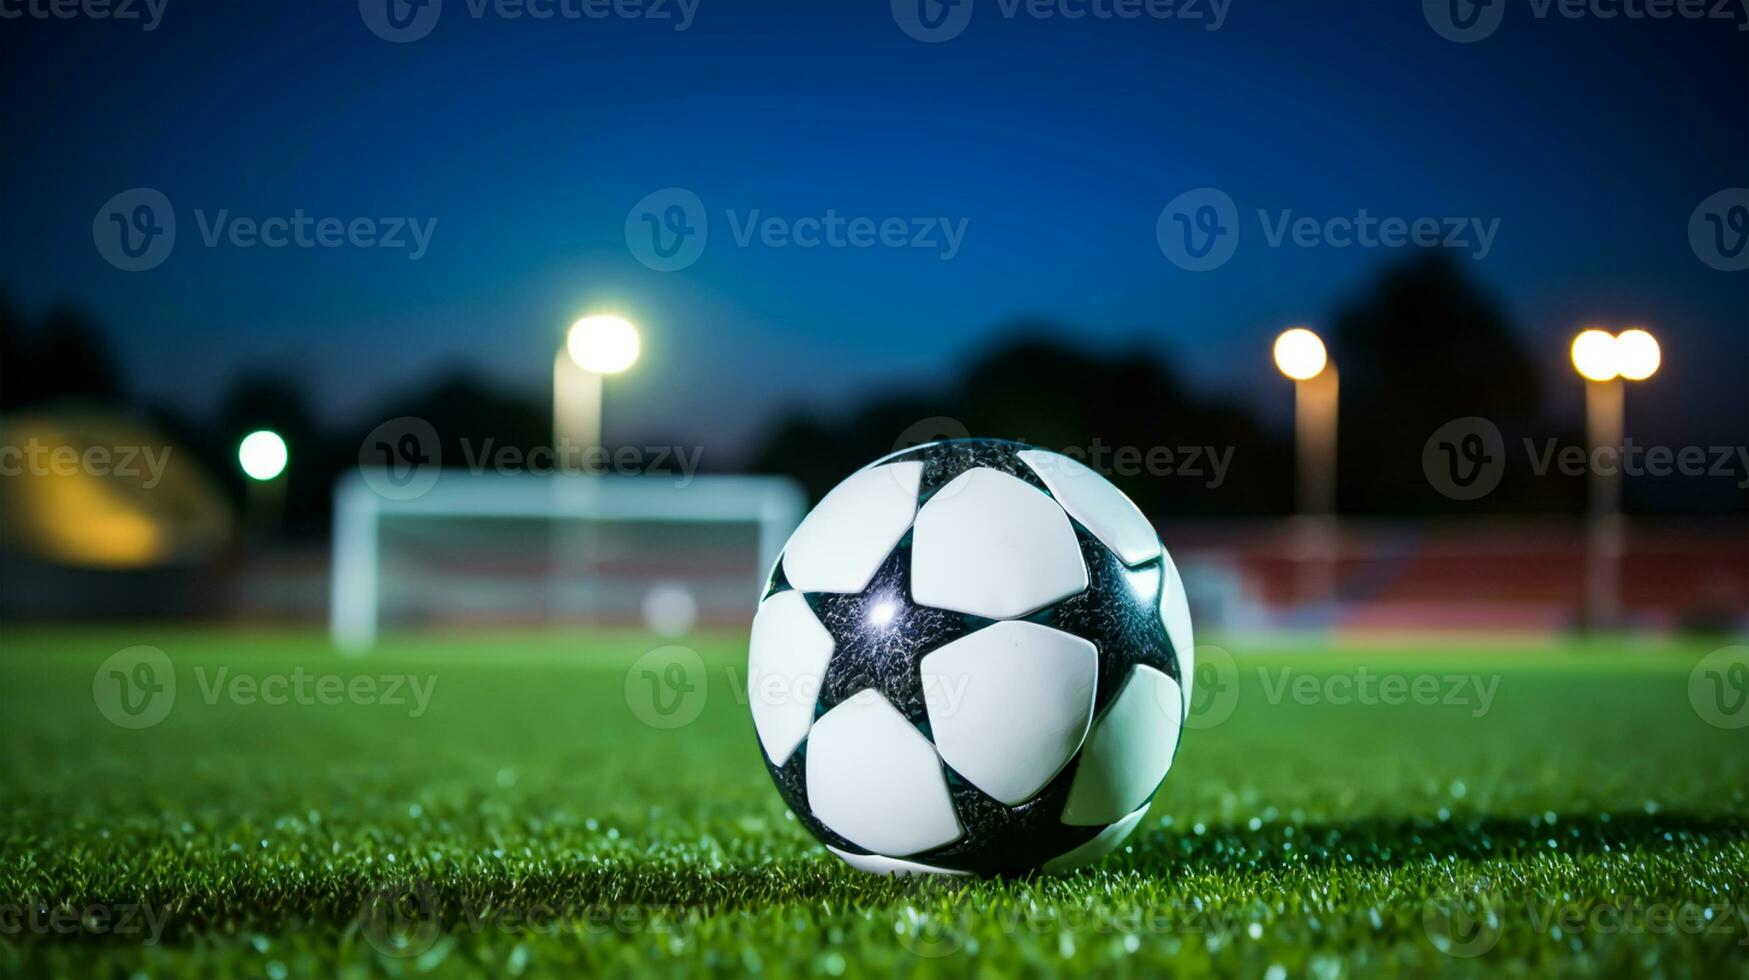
773	504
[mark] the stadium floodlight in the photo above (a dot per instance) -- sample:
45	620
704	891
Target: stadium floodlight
594	347
1637	354
1596	356
715	537
603	343
1605	361
262	454
1300	354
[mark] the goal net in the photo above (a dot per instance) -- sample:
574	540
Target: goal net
553	549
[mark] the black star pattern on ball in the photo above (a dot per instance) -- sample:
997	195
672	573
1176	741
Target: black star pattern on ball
943	461
880	637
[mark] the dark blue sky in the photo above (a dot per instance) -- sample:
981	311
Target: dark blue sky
1058	143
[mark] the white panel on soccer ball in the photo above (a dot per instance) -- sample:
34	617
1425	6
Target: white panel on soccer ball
876	781
1128	751
1101	845
990	545
1175	613
1092	499
1009	704
786	660
840	544
876	864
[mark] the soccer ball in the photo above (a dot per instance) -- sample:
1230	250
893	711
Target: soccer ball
973	657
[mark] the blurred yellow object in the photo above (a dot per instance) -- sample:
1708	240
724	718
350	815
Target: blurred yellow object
1300	354
1595	356
1638	353
85	487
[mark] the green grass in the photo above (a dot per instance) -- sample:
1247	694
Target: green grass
1296	837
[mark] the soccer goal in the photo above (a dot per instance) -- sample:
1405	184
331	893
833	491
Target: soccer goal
517	549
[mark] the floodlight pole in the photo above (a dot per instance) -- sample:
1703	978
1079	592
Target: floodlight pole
577	397
1315	401
1604	411
1315	442
264	503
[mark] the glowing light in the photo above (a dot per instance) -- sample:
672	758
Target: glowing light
1596	355
603	344
262	454
1300	355
1637	354
882	612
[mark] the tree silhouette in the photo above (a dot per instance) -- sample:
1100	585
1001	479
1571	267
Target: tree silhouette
1422	347
16	385
1063	397
63	357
